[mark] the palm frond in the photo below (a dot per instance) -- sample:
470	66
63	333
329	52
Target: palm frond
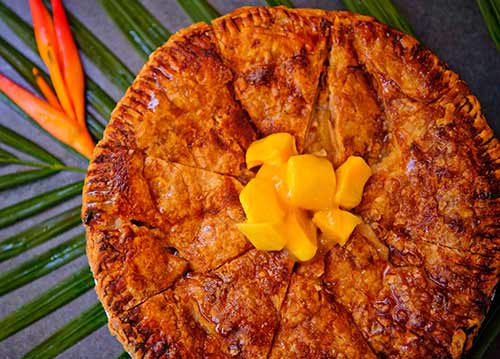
199	10
47	302
286	3
98	101
141	29
86	323
490	9
96	128
488	332
5	154
50	166
123	355
383	10
39	233
17	25
37	204
42	264
11	180
22	144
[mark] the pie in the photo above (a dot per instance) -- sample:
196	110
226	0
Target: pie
160	203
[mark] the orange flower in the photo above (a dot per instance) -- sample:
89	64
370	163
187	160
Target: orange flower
63	116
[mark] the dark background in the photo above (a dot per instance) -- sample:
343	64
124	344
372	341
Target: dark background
454	29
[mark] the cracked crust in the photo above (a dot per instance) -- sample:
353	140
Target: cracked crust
276	56
313	324
161	195
230	312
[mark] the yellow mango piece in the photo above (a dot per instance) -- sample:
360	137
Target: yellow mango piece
336	224
277	175
301	242
311	182
265	236
273	150
259	200
351	179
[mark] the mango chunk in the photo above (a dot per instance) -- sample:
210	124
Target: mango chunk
265	236
336	224
273	150
351	179
259	200
277	175
301	242
311	182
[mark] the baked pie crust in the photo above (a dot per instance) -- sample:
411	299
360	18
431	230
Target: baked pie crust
160	203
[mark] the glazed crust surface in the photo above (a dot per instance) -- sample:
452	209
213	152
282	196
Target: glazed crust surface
160	202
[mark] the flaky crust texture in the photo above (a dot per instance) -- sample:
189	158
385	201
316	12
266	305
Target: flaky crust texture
160	203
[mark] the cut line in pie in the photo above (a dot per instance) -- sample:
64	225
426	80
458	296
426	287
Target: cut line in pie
160	203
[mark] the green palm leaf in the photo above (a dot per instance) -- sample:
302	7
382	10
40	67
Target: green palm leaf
286	3
490	9
70	334
37	204
383	10
20	143
16	179
5	154
39	233
199	10
43	264
50	300
19	26
123	355
488	333
142	30
54	167
95	128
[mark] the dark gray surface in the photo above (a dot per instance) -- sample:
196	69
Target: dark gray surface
452	28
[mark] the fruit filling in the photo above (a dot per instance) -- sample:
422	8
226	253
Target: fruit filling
292	196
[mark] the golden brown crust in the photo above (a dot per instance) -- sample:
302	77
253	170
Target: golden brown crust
355	275
161	198
190	217
199	215
277	56
313	324
181	107
124	200
128	276
423	199
231	312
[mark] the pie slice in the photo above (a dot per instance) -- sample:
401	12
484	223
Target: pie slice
127	276
230	312
313	324
277	56
355	275
199	216
182	108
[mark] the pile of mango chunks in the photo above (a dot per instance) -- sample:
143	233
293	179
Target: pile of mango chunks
292	196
